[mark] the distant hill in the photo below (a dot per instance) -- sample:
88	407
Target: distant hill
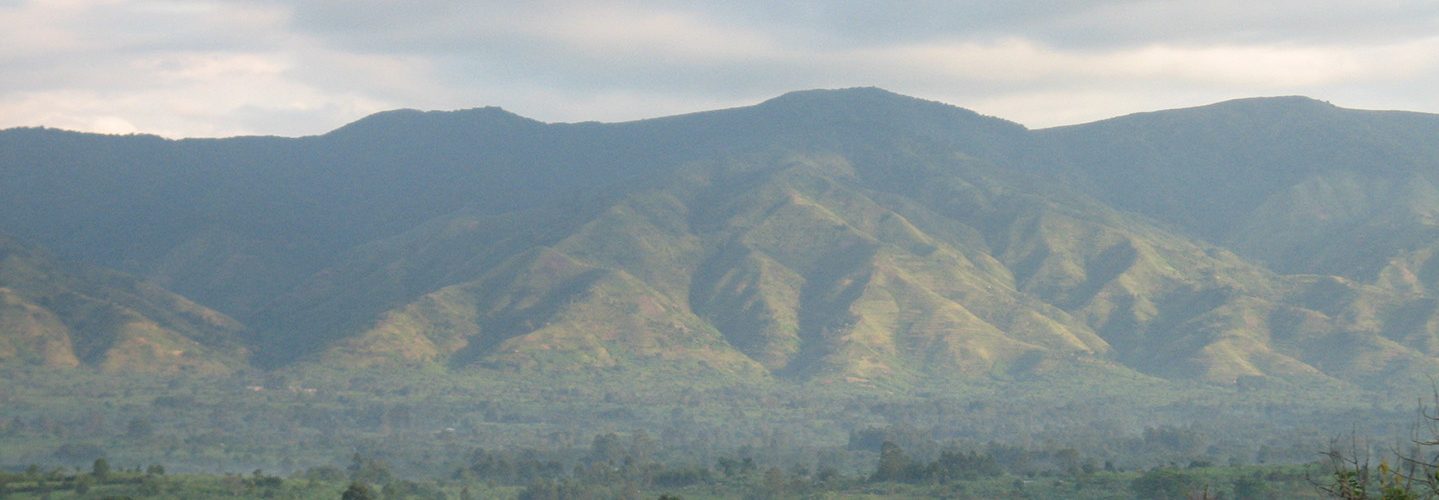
855	235
1290	181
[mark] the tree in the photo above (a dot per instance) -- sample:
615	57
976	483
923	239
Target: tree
608	448
1164	483
1252	487
358	491
1412	475
100	469
774	483
894	465
1069	460
957	465
1351	478
368	470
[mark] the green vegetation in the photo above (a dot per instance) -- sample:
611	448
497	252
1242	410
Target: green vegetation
693	437
662	482
58	315
626	467
853	237
474	300
616	466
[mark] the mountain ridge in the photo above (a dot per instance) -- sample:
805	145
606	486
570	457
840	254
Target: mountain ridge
849	235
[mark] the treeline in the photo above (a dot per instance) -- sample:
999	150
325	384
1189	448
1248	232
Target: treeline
422	425
417	434
625	466
618	466
38	482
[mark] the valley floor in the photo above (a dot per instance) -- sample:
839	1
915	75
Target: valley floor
430	433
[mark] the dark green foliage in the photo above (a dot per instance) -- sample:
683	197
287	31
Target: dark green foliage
518	467
325	473
1165	484
736	467
951	466
83	484
679	477
151	486
369	470
409	489
549	489
100	469
954	465
894	465
1252	487
358	491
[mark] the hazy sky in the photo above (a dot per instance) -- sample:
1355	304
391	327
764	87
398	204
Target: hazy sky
215	68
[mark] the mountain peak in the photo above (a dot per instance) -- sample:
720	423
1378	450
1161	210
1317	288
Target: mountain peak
1289	102
402	119
868	97
850	232
876	104
1249	108
849	93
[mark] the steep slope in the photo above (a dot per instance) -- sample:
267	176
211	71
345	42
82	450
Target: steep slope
810	272
235	222
852	235
784	265
59	316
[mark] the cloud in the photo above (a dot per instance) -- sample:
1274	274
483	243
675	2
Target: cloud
1254	66
197	96
1040	85
223	67
180	69
1092	23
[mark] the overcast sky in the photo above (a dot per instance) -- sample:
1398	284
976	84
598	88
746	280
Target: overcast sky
219	68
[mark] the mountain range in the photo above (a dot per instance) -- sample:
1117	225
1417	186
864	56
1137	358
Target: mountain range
854	236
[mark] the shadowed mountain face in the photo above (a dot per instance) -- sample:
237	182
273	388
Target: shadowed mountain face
1288	181
853	235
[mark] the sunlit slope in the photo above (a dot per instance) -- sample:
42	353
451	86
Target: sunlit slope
859	251
56	315
852	236
790	266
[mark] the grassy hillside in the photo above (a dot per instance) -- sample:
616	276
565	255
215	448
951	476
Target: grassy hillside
54	315
852	236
